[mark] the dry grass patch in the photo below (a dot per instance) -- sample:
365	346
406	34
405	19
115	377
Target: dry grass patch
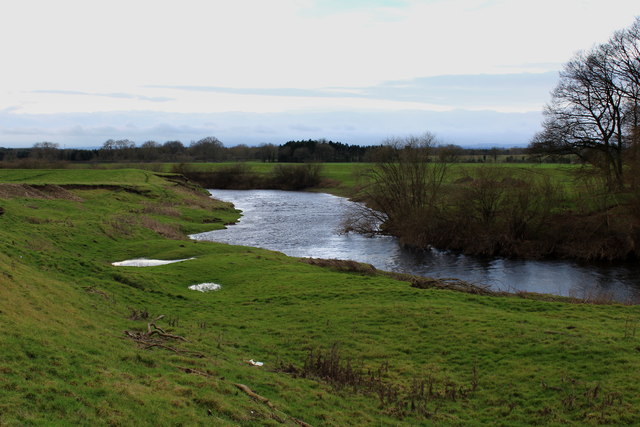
119	226
165	209
165	230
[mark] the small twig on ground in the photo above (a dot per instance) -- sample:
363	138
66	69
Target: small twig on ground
193	371
93	290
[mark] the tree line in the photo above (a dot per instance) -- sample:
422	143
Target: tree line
210	149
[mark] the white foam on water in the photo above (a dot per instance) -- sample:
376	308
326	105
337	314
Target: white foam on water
144	262
205	287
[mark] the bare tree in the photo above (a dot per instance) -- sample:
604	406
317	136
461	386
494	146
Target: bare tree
208	149
584	117
149	151
173	150
405	190
121	149
593	104
45	150
267	152
624	48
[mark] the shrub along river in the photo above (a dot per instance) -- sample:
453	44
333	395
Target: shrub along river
309	225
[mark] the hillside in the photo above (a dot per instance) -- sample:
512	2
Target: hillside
84	342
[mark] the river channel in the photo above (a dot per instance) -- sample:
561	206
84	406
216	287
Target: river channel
308	225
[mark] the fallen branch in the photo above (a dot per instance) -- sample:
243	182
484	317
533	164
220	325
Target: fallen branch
300	422
166	347
249	392
267	402
162	333
155	337
93	290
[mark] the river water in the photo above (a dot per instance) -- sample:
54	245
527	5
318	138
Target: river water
308	225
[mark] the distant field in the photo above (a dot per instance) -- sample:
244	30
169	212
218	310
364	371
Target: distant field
344	177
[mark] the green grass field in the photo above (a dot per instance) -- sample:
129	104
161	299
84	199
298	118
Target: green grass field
449	358
344	178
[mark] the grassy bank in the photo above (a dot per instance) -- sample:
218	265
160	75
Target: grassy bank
82	344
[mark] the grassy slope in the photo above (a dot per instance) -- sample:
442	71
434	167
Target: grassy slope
64	358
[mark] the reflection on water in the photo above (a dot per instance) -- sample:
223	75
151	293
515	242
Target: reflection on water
308	225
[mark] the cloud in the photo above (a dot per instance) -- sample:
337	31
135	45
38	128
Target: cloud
500	92
11	109
305	128
470	128
282	91
107	95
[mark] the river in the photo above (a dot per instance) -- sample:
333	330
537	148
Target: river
308	225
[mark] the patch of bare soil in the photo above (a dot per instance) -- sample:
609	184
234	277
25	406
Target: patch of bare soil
46	192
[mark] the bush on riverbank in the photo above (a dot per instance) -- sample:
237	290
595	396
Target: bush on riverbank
496	211
239	176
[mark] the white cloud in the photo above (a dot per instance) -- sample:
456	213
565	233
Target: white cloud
91	130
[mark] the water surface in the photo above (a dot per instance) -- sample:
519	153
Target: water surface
308	225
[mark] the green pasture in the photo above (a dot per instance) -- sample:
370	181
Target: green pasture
345	178
119	176
65	358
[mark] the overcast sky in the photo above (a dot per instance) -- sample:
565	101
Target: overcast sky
474	72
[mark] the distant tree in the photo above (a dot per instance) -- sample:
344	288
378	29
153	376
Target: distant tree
302	155
239	153
108	144
267	153
284	153
321	151
119	150
78	155
150	151
448	153
208	149
380	154
173	150
324	152
45	151
119	144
